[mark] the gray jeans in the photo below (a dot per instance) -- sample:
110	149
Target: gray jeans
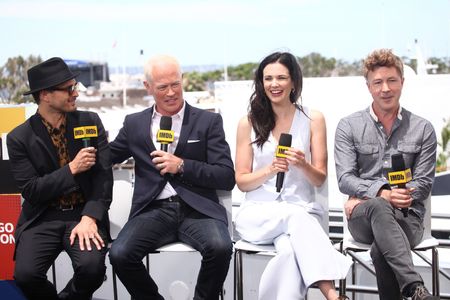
376	222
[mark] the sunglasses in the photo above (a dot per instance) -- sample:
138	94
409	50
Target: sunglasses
70	89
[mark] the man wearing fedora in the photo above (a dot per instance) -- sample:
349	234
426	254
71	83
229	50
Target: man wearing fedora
65	178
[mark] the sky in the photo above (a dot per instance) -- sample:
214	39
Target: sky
219	32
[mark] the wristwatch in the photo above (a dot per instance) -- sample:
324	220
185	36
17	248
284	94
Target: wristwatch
180	167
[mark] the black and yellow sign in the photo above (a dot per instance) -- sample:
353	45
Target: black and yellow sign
281	151
85	132
400	177
165	136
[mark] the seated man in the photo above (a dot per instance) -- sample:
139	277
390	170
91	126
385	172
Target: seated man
388	218
66	185
175	195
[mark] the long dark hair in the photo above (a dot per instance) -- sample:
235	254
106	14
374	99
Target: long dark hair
260	112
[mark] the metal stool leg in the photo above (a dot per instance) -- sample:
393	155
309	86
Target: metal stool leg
114	283
239	275
435	271
54	274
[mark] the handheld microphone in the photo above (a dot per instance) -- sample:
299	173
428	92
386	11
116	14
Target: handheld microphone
85	133
165	135
399	175
283	145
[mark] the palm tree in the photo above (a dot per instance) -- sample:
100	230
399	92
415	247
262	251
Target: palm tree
444	155
13	78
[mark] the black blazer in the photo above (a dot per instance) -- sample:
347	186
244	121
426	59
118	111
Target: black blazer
202	145
35	167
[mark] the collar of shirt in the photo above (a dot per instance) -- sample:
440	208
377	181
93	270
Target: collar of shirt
177	121
50	129
374	116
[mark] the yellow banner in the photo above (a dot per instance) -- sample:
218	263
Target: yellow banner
10	118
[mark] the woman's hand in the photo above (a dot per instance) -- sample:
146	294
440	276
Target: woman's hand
296	157
279	164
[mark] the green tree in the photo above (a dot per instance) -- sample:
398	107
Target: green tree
193	81
196	81
242	72
344	68
443	64
444	153
316	65
13	78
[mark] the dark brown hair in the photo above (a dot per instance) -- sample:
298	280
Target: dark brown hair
260	113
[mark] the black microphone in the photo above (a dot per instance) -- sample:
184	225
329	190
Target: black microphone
165	135
399	175
283	145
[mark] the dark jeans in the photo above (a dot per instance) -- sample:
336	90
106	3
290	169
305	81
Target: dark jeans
376	222
41	244
163	223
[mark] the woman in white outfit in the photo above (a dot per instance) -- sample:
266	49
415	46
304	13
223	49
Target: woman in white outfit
289	218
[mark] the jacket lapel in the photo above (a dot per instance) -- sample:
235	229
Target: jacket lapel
73	146
147	128
43	138
188	120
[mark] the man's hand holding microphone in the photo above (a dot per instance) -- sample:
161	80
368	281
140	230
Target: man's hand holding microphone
400	195
85	158
166	162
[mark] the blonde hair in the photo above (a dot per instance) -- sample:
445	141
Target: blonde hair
161	59
382	58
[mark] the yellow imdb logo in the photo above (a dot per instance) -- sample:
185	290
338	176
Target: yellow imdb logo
165	136
85	132
400	177
281	151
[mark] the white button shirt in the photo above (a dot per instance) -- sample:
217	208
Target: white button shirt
177	121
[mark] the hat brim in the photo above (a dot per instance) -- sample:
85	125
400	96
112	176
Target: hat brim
62	80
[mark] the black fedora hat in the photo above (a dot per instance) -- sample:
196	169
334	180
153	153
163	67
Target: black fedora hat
47	74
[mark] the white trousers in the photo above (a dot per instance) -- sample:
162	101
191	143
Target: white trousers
304	256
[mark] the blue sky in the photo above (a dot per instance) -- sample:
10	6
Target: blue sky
220	32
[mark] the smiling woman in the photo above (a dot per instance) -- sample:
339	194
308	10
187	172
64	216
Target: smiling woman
287	216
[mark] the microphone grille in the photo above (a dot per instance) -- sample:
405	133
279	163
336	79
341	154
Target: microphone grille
165	123
285	139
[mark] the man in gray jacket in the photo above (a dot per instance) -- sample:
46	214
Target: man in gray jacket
389	218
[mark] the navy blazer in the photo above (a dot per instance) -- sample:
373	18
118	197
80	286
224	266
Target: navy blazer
202	146
35	167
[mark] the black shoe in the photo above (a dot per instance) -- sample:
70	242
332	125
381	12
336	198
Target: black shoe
421	293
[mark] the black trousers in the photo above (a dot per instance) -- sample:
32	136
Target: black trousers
40	245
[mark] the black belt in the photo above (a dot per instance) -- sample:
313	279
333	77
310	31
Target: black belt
70	207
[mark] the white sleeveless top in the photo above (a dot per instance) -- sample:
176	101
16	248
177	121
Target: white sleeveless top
296	188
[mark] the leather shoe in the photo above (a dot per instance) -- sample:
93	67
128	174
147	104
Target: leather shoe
421	293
